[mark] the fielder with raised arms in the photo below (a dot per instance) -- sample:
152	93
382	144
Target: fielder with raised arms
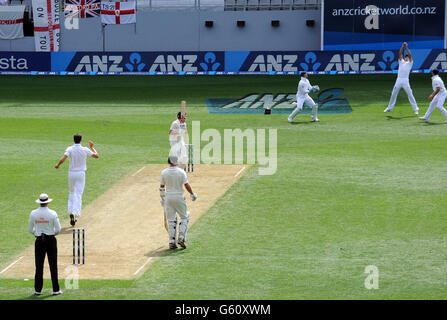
302	97
172	181
403	80
76	174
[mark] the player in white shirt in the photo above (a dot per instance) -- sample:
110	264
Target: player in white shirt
172	181
403	80
76	174
302	97
437	97
44	225
176	139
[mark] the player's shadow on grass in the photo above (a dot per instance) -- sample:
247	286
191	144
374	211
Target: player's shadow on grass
398	118
301	122
433	123
41	297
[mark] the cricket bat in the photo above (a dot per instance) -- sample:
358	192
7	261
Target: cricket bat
165	220
183	109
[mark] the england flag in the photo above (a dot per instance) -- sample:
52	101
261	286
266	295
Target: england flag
82	8
47	29
118	12
11	22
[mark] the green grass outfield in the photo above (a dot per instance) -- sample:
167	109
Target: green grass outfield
357	189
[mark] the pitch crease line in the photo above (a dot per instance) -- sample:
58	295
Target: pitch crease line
140	268
138	171
4	270
239	172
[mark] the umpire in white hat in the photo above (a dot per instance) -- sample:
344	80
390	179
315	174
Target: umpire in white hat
44	225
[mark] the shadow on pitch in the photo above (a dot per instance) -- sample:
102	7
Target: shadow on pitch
163	252
66	230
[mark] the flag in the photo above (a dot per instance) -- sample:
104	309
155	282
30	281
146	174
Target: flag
118	12
47	28
11	22
82	8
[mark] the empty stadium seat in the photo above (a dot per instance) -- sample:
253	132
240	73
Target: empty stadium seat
276	4
312	4
240	5
252	5
299	4
286	4
264	4
230	5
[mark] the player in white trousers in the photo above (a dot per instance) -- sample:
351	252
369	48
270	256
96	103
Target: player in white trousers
302	97
403	80
172	181
437	97
176	139
76	174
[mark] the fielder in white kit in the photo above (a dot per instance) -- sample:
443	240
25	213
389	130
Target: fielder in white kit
176	139
172	181
403	80
302	97
437	97
76	174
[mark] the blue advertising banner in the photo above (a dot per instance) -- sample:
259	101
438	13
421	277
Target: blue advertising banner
217	63
329	62
24	61
383	24
147	62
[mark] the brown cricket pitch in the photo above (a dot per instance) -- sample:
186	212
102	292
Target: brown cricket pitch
124	230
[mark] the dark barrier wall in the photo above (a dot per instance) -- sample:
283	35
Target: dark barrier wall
383	24
218	62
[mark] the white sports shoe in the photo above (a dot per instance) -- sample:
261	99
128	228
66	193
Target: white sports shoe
386	110
290	120
57	293
423	119
316	120
416	112
37	293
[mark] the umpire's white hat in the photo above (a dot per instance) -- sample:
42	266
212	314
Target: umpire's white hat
173	160
43	198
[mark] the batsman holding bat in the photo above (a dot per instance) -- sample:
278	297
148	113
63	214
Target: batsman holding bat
176	137
171	192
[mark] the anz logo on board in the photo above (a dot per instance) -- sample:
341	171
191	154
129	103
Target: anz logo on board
148	62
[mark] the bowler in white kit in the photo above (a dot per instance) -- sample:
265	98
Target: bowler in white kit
302	97
437	97
403	80
76	174
172	181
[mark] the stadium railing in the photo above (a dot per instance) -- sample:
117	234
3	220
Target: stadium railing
249	5
230	5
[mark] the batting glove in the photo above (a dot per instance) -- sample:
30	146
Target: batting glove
193	196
